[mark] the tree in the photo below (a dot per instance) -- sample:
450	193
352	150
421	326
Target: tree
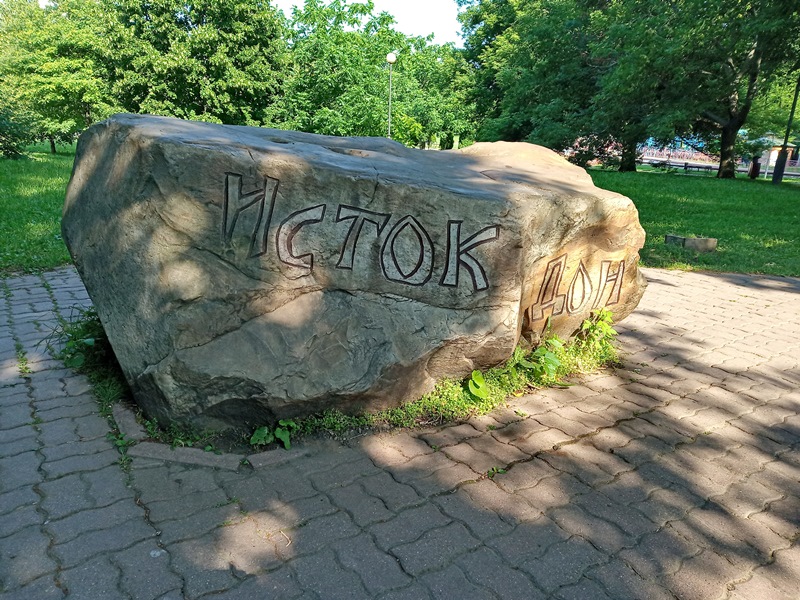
434	94
733	52
213	60
617	71
49	65
555	71
338	82
482	22
15	133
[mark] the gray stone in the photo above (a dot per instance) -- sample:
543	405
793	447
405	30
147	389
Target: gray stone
696	244
245	275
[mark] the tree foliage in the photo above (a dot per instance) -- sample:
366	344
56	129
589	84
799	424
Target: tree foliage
49	64
15	133
213	60
607	73
339	78
337	84
73	62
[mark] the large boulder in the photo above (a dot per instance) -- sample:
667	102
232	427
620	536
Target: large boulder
247	274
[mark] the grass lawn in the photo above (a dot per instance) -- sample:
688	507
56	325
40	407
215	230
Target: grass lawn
31	198
757	224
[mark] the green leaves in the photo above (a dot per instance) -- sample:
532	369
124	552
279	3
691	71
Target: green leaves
283	432
262	436
286	427
544	363
213	61
50	65
606	76
241	62
495	471
477	385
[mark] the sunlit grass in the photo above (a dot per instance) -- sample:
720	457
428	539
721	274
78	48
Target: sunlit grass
31	199
757	224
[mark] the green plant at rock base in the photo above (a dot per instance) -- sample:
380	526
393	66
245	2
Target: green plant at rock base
477	385
453	400
543	362
262	436
179	436
81	343
594	342
450	400
284	431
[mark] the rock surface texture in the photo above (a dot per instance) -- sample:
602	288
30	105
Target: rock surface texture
246	274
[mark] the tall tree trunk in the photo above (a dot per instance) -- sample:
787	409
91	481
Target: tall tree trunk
52	144
628	161
727	152
738	109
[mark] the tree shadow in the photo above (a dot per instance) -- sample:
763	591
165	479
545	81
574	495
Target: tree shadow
677	481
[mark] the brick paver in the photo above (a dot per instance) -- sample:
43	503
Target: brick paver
676	475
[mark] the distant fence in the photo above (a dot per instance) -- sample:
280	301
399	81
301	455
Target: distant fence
667	154
675	157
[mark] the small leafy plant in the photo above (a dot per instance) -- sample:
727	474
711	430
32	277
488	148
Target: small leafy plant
543	362
480	393
262	436
121	443
83	341
594	342
495	471
22	360
284	431
477	385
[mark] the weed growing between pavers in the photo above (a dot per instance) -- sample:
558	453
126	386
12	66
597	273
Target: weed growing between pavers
22	359
83	345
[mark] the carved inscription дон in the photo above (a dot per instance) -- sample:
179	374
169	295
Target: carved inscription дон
414	267
580	294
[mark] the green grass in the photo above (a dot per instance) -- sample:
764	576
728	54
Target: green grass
31	198
757	224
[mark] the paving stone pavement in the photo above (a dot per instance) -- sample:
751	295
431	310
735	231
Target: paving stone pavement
674	476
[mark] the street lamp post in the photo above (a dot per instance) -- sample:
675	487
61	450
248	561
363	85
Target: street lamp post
783	155
391	58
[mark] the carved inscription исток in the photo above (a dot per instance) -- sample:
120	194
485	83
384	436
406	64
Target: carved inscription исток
417	271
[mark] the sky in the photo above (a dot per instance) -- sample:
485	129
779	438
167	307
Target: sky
414	17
